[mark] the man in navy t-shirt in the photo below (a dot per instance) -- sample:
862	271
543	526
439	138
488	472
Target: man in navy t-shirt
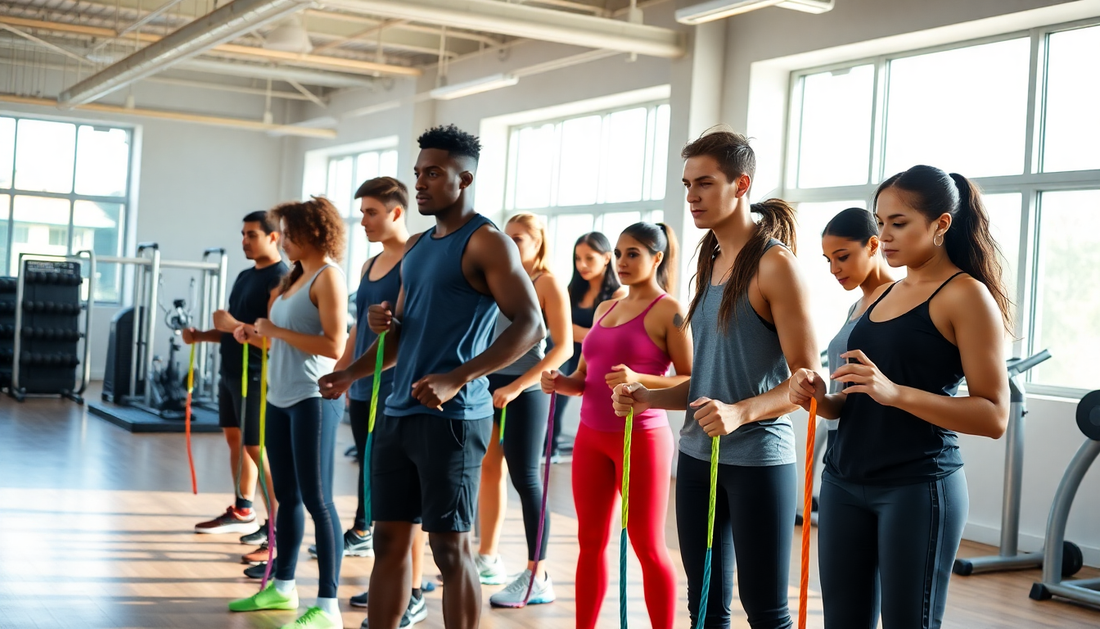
248	301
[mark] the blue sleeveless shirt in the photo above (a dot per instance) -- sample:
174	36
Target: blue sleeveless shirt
445	324
371	293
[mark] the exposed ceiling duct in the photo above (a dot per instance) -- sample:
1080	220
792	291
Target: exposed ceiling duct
217	27
275	73
720	9
519	20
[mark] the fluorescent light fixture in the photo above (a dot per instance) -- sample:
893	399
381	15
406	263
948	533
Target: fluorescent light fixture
719	9
477	86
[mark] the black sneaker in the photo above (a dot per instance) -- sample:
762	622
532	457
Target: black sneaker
354	546
256	571
258	537
416	612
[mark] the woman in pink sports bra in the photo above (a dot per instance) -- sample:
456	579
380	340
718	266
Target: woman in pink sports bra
635	339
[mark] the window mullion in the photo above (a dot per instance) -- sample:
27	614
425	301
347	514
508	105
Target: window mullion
1033	134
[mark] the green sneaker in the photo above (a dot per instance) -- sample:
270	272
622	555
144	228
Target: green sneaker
314	618
267	598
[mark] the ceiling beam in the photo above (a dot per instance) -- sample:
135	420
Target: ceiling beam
352	66
519	20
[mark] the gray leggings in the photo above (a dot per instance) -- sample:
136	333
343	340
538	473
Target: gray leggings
888	548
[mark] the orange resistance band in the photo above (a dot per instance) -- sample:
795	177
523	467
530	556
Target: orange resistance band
807	509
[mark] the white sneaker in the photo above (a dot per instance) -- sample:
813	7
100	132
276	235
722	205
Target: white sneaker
490	570
512	596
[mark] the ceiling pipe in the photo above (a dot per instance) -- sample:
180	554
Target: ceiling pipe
217	27
519	20
214	28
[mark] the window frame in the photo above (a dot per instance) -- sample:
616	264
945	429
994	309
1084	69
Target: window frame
650	209
351	221
1031	183
72	197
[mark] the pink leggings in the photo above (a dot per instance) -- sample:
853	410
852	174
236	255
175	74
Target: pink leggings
597	480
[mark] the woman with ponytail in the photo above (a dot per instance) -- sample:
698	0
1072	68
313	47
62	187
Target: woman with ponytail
634	339
893	493
517	438
750	322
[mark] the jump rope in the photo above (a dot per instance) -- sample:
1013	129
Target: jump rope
804	578
187	418
376	384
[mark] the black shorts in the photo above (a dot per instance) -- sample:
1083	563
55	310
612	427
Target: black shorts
427	469
229	407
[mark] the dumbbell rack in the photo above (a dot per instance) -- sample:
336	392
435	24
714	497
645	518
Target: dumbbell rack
46	331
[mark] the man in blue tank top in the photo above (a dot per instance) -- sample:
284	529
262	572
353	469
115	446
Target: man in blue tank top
426	462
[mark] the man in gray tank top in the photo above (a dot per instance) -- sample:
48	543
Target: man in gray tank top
426	460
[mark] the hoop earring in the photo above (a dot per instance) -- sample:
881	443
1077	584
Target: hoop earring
940	243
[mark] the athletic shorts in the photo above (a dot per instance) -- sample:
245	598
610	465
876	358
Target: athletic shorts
229	407
427	469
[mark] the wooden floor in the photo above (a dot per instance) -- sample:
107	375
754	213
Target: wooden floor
96	531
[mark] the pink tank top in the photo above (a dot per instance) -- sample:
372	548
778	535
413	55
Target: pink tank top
627	344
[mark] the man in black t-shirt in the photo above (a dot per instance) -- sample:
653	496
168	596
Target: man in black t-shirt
248	301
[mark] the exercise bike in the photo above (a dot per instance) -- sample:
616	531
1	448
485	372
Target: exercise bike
168	382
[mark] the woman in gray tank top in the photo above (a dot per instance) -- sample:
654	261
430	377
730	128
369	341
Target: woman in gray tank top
517	387
306	333
851	247
751	327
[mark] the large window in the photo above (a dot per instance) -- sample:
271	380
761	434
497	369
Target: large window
1015	114
63	189
601	171
345	174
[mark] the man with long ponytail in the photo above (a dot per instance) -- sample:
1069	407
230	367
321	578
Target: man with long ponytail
893	494
750	324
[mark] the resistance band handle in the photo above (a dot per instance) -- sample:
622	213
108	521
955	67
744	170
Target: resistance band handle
623	541
503	417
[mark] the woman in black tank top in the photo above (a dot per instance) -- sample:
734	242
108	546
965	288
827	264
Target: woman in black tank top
893	497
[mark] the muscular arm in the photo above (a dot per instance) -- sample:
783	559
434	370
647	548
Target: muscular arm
788	300
556	307
493	257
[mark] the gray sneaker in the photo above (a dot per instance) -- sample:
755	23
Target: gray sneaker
416	612
512	596
490	570
354	546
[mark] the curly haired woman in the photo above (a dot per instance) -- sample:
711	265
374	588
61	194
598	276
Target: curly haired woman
306	332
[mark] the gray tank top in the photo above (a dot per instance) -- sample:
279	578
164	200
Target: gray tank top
293	374
741	362
838	346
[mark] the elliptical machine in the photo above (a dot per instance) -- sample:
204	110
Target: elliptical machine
1009	557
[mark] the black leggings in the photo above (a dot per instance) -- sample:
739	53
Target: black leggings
524	436
753	511
888	547
300	442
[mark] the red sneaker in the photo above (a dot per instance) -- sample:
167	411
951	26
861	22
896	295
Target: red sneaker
232	521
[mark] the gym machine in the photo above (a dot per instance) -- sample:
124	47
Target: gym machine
1054	583
1009	557
136	379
